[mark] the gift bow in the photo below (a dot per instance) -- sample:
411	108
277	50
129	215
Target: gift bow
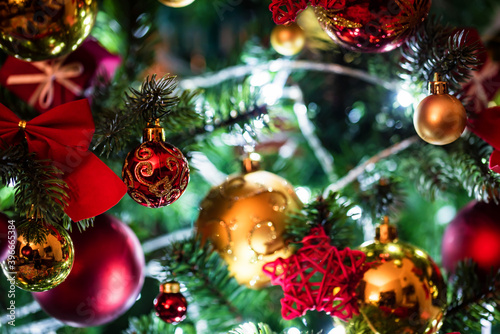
52	71
63	135
485	125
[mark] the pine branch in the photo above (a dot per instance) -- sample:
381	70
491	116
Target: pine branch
154	100
251	328
221	301
472	298
439	48
151	324
10	160
330	213
384	197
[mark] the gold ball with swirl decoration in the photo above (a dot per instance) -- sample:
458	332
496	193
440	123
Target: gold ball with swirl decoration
244	218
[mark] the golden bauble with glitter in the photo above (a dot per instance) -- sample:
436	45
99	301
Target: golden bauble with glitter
404	292
245	219
45	29
176	3
288	40
40	261
440	118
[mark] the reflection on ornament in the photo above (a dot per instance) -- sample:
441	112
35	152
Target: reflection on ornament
440	118
45	29
245	219
288	40
156	173
404	292
41	266
372	25
170	305
176	3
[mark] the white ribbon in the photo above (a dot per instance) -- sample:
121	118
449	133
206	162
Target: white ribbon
52	71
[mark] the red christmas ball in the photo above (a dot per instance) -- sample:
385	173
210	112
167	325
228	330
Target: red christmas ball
473	234
107	276
4	237
170	304
27	251
372	25
156	172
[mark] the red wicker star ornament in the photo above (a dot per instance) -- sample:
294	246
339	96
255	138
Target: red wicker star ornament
318	277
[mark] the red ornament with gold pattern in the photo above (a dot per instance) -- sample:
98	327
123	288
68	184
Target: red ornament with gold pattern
360	25
156	173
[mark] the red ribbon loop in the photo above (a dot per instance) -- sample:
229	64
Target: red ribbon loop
63	135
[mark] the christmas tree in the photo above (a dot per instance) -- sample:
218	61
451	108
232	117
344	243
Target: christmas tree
230	166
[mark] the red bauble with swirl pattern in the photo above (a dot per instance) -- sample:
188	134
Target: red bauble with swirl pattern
372	25
156	172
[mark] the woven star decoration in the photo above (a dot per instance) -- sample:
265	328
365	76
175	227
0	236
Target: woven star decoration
318	277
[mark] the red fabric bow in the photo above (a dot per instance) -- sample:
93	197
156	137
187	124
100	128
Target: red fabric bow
63	135
486	125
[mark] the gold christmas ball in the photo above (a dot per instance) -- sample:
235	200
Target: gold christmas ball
404	292
176	3
40	263
288	40
440	119
245	219
45	29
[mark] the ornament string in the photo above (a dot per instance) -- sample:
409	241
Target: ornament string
52	71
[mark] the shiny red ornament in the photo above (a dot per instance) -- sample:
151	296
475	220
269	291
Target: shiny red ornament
107	276
318	277
156	172
4	237
170	304
473	234
27	251
372	25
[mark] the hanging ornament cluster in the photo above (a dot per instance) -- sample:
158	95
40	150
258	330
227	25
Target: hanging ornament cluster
440	118
244	218
288	40
404	291
42	264
473	234
170	305
106	279
318	277
176	3
45	29
360	25
156	173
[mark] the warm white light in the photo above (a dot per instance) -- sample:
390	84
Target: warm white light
271	93
260	78
304	194
445	214
405	99
178	330
355	212
337	330
293	330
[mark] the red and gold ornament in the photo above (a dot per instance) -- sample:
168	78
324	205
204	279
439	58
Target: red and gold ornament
360	25
474	234
318	277
107	276
156	172
170	305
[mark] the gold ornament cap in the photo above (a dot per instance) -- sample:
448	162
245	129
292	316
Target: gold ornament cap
386	232
153	132
170	287
251	163
438	86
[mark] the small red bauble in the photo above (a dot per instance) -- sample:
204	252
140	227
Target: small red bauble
170	304
473	234
27	251
107	276
156	173
4	237
372	25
